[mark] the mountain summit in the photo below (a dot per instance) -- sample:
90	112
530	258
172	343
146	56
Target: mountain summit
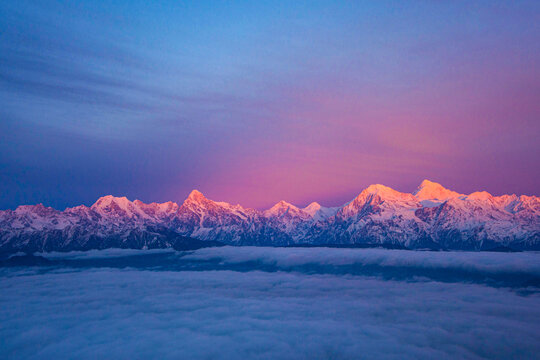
196	196
429	190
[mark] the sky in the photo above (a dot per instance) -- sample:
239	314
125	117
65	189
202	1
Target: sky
256	102
284	303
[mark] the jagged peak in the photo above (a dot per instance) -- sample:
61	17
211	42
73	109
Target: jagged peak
480	195
166	204
196	195
430	190
77	208
198	200
428	183
282	204
40	205
378	188
33	208
108	199
314	208
381	190
280	207
377	193
105	203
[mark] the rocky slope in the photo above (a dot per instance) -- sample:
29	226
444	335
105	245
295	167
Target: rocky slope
432	217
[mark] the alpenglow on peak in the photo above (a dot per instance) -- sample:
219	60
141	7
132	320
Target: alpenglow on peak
429	190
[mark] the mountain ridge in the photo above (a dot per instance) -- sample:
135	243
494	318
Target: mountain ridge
431	217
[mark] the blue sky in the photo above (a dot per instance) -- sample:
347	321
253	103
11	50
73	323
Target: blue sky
258	102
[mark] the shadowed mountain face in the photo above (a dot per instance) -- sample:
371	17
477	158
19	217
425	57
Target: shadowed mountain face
432	217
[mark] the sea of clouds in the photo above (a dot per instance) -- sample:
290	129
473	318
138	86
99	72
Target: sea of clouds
272	303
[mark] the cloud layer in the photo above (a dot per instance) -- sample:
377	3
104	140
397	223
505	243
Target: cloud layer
202	309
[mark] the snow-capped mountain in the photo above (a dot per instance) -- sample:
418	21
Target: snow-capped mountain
431	217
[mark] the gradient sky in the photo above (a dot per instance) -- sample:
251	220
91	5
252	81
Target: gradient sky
254	102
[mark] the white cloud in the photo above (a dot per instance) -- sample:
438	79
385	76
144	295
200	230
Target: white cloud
500	269
133	313
286	257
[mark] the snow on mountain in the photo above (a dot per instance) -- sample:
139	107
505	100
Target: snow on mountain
312	208
378	215
431	217
382	200
205	219
318	212
429	190
283	208
118	210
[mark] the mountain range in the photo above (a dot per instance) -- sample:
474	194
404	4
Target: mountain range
432	217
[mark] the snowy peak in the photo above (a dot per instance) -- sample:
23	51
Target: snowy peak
318	212
429	190
196	196
157	210
382	192
281	208
109	200
312	208
39	209
312	213
196	199
283	204
480	195
378	189
116	207
379	197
